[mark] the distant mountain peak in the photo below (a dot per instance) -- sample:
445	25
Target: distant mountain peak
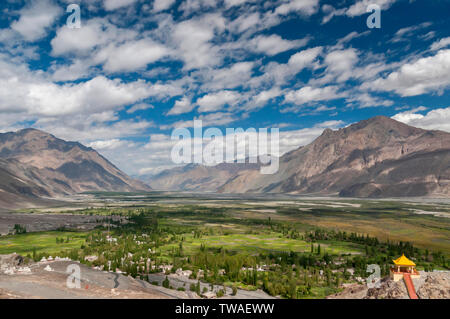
31	129
33	132
36	163
377	157
386	123
381	124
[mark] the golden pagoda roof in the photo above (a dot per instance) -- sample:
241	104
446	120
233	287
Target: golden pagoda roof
403	261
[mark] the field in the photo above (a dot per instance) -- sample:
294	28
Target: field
41	242
285	245
394	220
269	242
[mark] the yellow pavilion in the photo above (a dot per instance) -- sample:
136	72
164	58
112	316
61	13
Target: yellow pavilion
403	265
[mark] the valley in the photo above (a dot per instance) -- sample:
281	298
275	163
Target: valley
358	196
217	245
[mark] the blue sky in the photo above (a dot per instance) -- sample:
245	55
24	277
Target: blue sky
136	70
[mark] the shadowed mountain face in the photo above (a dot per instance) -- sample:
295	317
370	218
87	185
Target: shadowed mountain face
379	157
197	178
34	164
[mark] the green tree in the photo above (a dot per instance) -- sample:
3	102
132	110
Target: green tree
166	283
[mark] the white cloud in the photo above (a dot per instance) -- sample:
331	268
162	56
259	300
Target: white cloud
116	4
303	59
442	43
437	119
131	56
35	19
349	37
24	91
193	41
190	6
306	7
212	119
340	63
181	106
233	3
106	116
161	5
227	78
404	33
360	7
262	98
107	144
309	94
97	94
425	75
215	101
77	128
363	100
274	44
70	72
279	74
94	33
331	12
357	9
245	22
139	107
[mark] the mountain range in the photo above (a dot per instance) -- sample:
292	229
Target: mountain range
36	165
378	157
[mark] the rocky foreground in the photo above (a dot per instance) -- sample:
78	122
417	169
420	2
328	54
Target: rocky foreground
47	279
430	285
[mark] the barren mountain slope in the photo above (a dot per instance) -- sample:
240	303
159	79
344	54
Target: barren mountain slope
373	158
34	164
378	157
198	178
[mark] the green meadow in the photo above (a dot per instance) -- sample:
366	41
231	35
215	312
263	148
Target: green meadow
41	242
253	243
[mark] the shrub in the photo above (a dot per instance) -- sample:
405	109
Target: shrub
166	283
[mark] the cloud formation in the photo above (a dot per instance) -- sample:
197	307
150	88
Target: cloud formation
137	69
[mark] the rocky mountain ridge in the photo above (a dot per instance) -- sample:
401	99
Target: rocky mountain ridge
378	157
35	164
